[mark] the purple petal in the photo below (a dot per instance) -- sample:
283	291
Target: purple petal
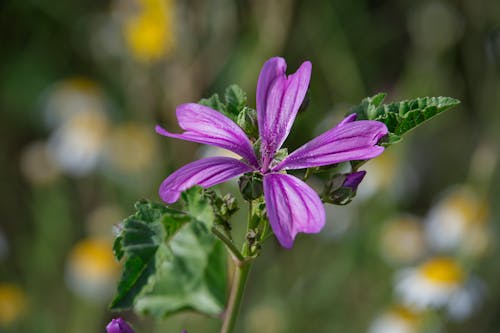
292	207
205	125
349	119
205	172
350	140
278	99
118	325
353	179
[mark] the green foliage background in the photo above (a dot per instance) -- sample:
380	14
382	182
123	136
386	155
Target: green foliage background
326	283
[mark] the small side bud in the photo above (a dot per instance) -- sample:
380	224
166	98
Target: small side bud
341	188
352	180
118	325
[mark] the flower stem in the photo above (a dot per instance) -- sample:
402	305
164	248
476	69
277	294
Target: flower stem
235	253
241	270
237	291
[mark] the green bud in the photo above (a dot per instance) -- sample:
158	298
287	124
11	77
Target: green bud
341	188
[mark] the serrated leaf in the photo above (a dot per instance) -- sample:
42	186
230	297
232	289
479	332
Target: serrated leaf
141	235
401	117
236	100
198	206
389	140
214	102
172	260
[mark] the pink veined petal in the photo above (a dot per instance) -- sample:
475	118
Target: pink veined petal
350	140
278	100
205	125
273	68
205	173
292	207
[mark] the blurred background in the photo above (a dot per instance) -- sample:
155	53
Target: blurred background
82	84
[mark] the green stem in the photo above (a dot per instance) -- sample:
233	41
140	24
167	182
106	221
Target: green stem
241	270
237	291
236	254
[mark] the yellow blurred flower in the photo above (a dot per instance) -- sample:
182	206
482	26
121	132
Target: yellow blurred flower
149	33
12	303
440	283
92	270
398	319
459	222
131	147
431	284
402	240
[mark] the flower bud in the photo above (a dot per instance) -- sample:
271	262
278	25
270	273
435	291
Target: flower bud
118	325
341	188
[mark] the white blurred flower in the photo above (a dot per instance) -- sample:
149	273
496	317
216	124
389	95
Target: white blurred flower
91	270
466	300
77	144
70	97
399	319
459	222
37	165
402	240
431	284
440	283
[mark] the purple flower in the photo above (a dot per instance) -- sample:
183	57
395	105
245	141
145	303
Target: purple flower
118	325
292	206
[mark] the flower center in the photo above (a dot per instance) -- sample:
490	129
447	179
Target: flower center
443	270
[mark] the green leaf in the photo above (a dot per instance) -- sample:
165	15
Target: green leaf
172	260
401	117
198	206
214	102
236	100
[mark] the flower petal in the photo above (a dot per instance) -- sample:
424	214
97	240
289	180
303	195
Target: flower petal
350	140
205	125
292	207
205	172
278	100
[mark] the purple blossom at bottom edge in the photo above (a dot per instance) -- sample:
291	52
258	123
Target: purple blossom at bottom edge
118	325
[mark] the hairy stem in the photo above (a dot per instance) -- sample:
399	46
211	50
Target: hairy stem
239	281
